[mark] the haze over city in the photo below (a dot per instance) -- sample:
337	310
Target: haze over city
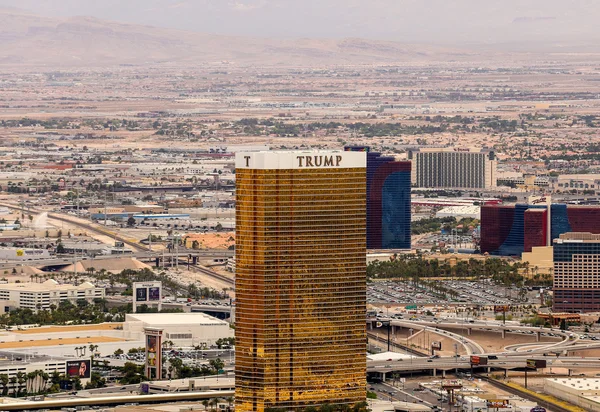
277	205
433	21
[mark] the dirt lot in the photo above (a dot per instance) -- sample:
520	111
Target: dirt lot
71	328
54	342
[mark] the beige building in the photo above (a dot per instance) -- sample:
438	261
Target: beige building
540	261
583	392
183	329
576	283
453	168
36	296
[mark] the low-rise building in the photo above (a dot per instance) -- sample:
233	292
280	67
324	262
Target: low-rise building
183	329
37	296
583	392
22	254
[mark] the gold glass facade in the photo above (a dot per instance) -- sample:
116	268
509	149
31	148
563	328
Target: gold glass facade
300	287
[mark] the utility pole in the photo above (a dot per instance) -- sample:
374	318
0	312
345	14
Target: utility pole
389	327
176	240
105	217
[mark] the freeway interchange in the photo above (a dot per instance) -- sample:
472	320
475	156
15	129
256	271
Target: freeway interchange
512	357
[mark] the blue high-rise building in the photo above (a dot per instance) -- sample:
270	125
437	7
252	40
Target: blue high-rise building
388	201
512	230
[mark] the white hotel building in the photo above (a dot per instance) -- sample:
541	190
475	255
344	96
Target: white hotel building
41	295
468	168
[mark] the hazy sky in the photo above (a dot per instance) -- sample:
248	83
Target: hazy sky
437	21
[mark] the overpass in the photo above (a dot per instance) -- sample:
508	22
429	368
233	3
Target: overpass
154	256
470	346
52	404
217	311
440	328
570	341
448	363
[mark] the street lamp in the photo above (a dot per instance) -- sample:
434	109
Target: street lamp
456	352
388	324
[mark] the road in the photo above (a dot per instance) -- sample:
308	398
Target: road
69	260
406	392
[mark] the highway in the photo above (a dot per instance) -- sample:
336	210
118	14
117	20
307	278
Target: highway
470	345
211	273
116	399
503	362
568	338
514	356
69	260
102	231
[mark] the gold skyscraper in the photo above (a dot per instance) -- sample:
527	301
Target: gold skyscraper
300	279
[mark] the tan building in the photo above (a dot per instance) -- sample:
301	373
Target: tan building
540	261
300	279
41	295
576	285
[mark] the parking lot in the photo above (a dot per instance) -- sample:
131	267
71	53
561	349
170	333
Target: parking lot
463	292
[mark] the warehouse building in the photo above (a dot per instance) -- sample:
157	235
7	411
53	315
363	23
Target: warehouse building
183	329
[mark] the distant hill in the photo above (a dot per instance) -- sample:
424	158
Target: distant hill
31	40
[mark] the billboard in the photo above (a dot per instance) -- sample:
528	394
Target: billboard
147	292
79	368
498	403
437	345
501	308
536	363
479	360
141	294
154	294
451	384
152	346
153	353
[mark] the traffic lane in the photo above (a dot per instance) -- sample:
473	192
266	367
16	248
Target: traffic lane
410	393
413	389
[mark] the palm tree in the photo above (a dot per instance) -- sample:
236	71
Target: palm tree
4	383
229	401
214	402
13	384
205	402
21	380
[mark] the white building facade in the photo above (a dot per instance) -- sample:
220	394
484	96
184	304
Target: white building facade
36	296
468	168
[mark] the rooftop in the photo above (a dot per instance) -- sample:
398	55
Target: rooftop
50	284
171	319
300	159
578	237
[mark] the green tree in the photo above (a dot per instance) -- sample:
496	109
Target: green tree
216	364
96	381
132	373
4	383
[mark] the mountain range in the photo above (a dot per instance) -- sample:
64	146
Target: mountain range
31	40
